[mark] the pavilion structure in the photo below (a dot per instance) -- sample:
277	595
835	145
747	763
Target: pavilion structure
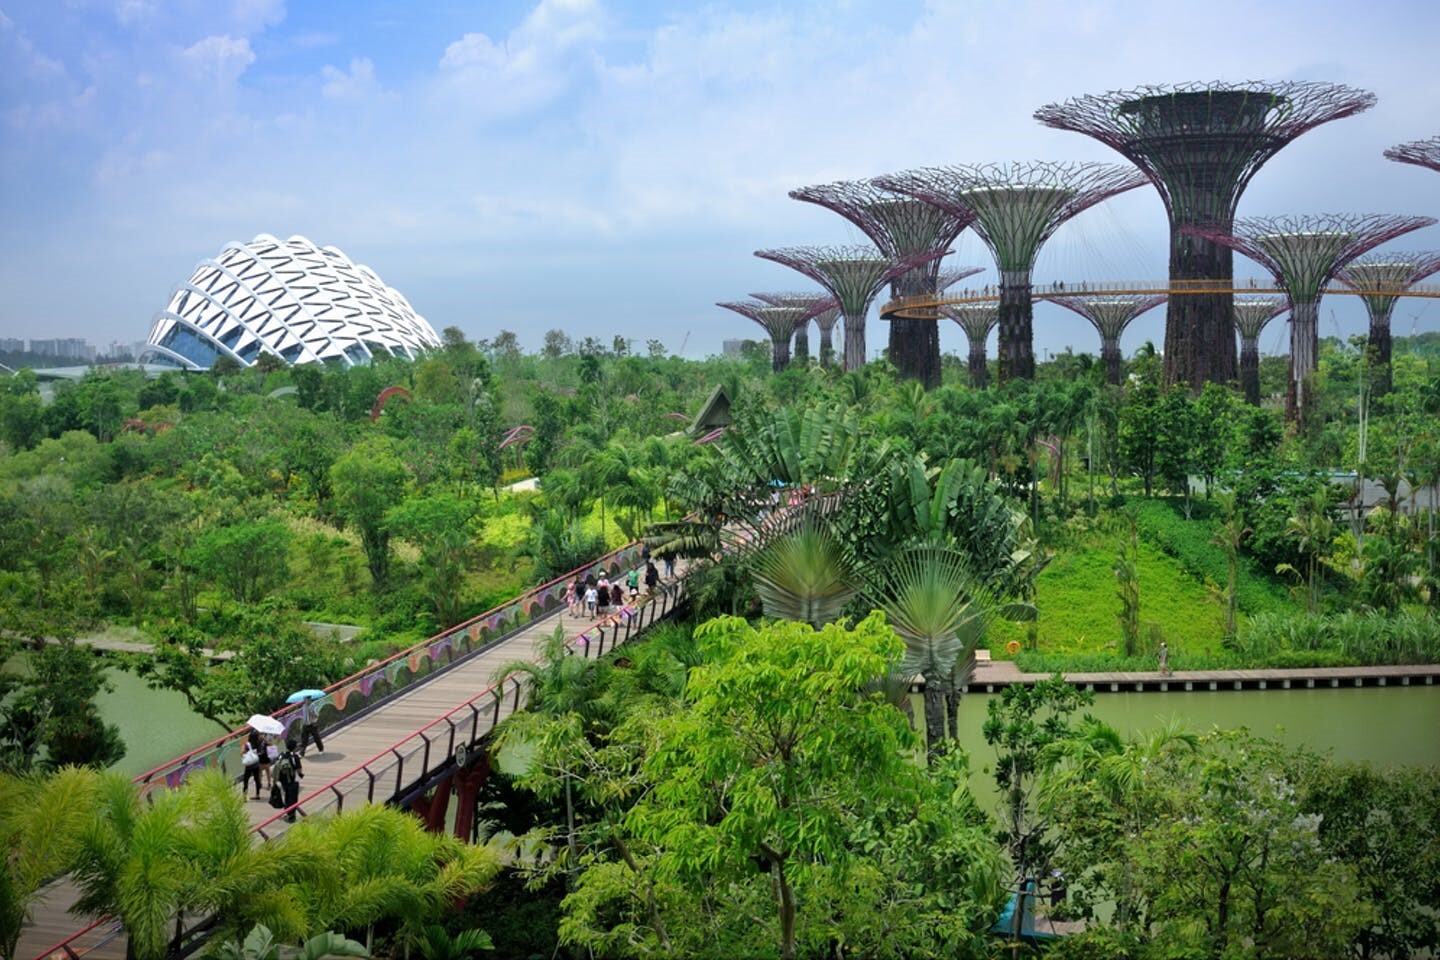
1017	207
1304	253
814	303
853	275
1200	144
900	227
779	322
1251	316
1110	315
1422	153
977	320
1381	278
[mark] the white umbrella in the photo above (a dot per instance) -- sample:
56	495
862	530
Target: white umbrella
266	724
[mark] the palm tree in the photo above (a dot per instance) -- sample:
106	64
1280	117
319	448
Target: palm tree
804	575
929	596
177	854
40	820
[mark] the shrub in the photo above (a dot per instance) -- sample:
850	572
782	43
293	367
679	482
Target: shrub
1349	638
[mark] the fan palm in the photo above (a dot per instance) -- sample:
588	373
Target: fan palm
804	575
40	818
933	602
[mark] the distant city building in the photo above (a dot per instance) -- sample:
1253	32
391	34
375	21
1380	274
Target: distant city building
291	299
65	348
732	348
12	345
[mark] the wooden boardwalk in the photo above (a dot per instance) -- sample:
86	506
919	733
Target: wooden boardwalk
347	748
993	675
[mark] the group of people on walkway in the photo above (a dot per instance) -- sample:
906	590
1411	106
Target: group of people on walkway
281	770
591	596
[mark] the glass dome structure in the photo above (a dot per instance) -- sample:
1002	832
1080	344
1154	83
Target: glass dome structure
289	298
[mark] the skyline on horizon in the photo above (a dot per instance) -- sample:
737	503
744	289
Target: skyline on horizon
608	168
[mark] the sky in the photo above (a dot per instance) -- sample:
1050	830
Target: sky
607	167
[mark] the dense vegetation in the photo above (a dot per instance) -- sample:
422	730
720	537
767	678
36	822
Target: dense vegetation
753	786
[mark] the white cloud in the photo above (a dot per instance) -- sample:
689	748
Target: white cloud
220	59
355	84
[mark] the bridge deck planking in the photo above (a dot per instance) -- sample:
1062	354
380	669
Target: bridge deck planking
346	748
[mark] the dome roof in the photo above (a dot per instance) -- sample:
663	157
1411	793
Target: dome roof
300	302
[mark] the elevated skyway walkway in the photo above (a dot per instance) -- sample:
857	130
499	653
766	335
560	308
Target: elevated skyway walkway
925	306
391	730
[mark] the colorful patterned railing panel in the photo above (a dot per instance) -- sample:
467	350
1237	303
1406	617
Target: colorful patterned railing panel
371	686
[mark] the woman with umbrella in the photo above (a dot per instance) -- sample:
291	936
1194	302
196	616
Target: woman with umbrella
258	742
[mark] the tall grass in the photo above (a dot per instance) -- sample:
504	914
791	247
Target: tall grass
1352	638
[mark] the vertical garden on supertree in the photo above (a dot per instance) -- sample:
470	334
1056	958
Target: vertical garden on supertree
1017	207
779	322
900	227
852	275
1251	316
1304	253
977	320
1200	144
1380	278
1422	153
814	304
1110	315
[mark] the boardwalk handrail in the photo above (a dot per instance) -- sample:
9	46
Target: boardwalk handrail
393	772
388	769
377	682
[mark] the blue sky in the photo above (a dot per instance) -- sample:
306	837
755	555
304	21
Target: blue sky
608	167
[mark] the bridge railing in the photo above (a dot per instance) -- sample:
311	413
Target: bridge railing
402	767
369	687
397	769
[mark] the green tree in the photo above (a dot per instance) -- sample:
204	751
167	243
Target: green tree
368	481
441	526
751	774
1140	432
40	821
249	559
804	574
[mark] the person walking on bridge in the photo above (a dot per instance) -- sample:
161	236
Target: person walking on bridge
310	725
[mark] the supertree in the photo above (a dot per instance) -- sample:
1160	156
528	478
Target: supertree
1110	316
1422	153
1303	254
901	227
1251	316
1380	278
825	322
1200	143
779	322
947	277
815	303
853	275
1016	207
977	320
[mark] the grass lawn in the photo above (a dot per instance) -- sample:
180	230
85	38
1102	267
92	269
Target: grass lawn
1077	595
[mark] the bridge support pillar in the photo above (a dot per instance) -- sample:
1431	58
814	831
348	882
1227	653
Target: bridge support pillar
468	795
434	808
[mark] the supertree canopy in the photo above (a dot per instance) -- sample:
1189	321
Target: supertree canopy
779	322
814	303
1110	316
1200	143
853	275
1422	153
1381	278
1251	316
1016	208
949	276
977	320
901	227
1303	254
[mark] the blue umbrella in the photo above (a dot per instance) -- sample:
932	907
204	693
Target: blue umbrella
299	695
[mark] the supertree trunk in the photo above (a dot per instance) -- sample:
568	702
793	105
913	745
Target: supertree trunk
1110	356
979	372
915	342
1250	369
827	348
1377	350
1017	322
1200	328
779	354
1304	338
802	343
854	342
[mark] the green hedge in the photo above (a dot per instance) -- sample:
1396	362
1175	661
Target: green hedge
1188	541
